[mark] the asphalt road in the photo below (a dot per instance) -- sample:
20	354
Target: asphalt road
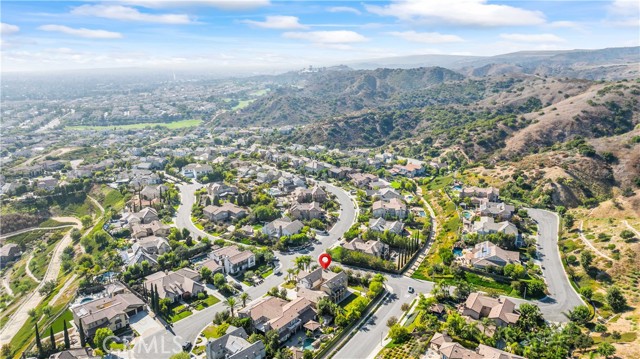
562	297
371	336
163	343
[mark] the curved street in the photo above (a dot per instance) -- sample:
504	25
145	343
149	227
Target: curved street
21	315
562	296
163	343
370	337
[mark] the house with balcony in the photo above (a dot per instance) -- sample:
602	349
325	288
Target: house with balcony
179	285
111	312
393	208
285	317
320	283
233	260
306	211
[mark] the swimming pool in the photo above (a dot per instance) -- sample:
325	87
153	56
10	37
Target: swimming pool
457	188
87	299
457	252
466	214
308	344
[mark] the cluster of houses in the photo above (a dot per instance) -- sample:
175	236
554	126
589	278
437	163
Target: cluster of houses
307	203
500	311
287	317
148	236
489	209
116	305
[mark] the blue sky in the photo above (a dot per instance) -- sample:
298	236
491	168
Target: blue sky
258	34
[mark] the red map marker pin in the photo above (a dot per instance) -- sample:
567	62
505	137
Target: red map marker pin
324	260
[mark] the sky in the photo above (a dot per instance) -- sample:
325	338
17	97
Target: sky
271	34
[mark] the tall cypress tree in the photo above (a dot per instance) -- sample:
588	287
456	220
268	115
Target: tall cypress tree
83	340
52	338
152	299
67	342
38	342
157	299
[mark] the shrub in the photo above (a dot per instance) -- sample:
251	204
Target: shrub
616	299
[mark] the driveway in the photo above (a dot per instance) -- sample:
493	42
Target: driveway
144	324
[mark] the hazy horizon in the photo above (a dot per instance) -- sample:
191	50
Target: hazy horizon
264	36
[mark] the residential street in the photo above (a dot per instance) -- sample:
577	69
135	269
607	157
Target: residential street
370	337
162	343
562	296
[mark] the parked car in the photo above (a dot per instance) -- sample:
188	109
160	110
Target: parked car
411	290
186	346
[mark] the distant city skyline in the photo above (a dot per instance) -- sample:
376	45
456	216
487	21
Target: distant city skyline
264	34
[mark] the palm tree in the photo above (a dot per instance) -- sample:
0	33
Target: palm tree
244	297
231	303
290	273
379	278
302	262
486	322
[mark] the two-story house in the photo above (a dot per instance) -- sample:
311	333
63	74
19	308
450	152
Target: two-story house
320	283
111	312
233	259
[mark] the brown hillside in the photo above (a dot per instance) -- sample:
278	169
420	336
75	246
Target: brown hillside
602	110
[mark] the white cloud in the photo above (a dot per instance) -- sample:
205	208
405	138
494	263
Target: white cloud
565	24
625	7
126	13
624	13
82	32
277	22
334	39
7	29
344	9
532	37
220	4
426	37
460	12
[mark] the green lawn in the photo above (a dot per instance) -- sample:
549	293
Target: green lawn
176	316
267	273
242	104
624	338
201	304
58	325
347	301
215	331
170	125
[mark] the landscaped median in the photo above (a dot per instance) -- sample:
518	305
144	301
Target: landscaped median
340	339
